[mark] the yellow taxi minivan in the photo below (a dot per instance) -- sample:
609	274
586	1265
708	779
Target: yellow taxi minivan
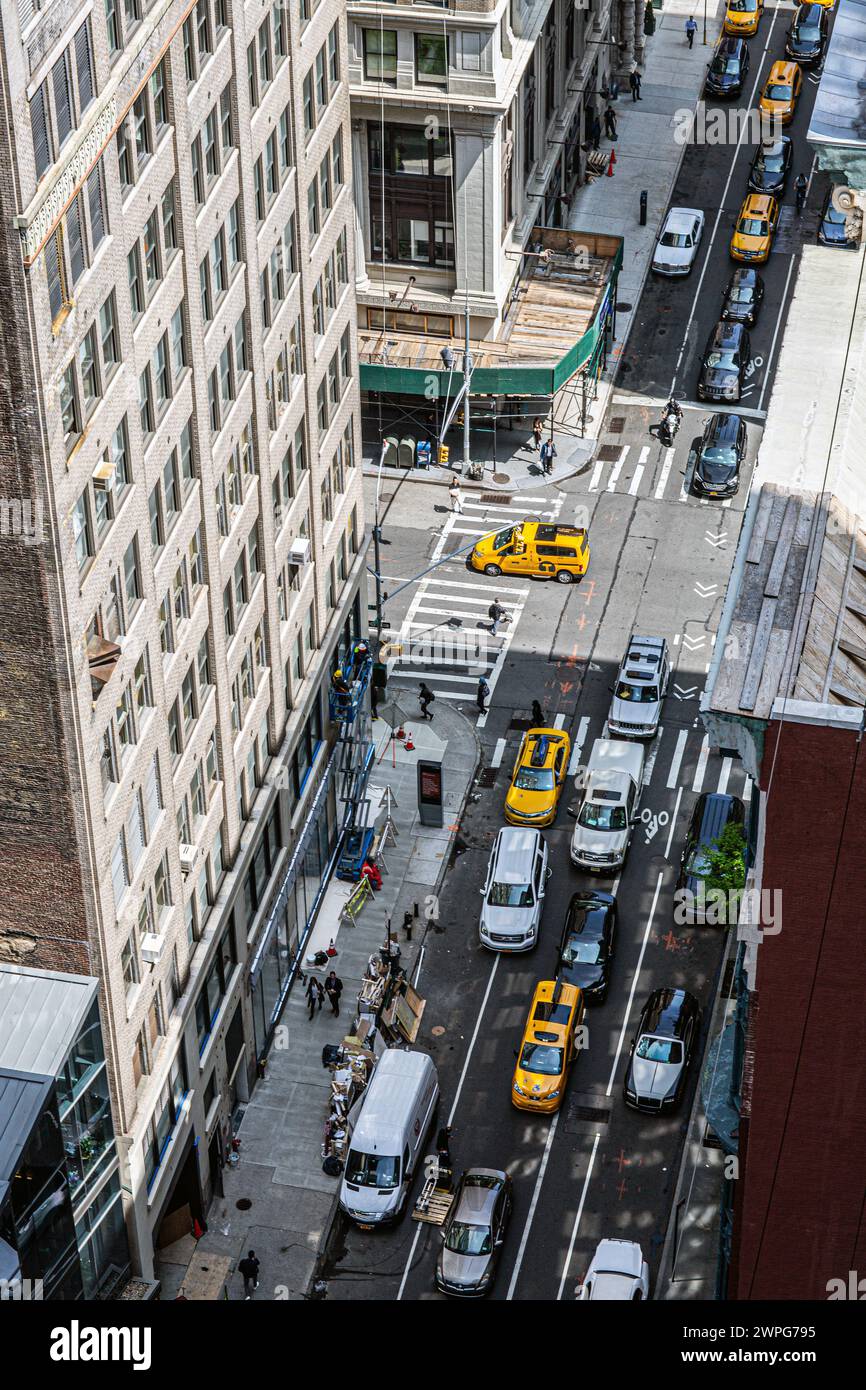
538	777
548	1047
742	17
782	88
539	549
753	232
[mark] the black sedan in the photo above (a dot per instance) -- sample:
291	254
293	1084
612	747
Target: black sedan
807	37
728	69
743	297
771	166
667	1033
586	945
718	456
835	227
724	363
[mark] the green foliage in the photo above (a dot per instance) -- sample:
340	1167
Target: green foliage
727	876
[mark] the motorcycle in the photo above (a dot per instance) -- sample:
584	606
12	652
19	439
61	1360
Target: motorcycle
667	430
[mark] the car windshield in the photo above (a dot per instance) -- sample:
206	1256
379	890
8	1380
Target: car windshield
770	163
637	694
580	952
719	455
468	1240
598	817
754	226
807	29
834	216
534	779
727	360
659	1050
510	895
778	91
741	294
372	1170
678	239
743	6
541	1058
503	538
721	64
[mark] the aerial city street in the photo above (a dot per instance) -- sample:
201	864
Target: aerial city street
433	614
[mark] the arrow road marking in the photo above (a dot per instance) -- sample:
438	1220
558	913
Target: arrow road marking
693	644
715	540
705	590
682	692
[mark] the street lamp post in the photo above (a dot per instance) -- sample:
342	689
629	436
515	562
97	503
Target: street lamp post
705	21
467	381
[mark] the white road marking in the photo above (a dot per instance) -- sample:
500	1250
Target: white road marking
747	789
596	476
577	746
635	978
724	774
673	822
651	760
617	468
673	775
580	1205
702	764
559	722
551	1133
498	753
665	474
635	482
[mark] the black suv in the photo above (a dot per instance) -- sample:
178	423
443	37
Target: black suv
723	368
716	458
586	945
728	69
807	36
713	812
837	228
743	297
770	166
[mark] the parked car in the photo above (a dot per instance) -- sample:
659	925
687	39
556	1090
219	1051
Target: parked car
608	805
548	1047
713	811
618	1273
781	91
640	689
755	228
728	68
716	458
474	1233
586	945
723	367
771	165
395	1116
661	1051
806	39
743	17
839	229
538	777
514	891
678	241
743	297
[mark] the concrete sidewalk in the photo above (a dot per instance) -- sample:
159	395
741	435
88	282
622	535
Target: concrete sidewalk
510	466
279	1175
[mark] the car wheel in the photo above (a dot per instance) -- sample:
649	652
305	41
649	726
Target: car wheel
493	570
563	577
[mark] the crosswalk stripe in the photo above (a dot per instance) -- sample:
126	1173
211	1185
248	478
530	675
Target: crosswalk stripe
577	746
485	587
674	773
596	476
665	473
498	753
464	612
651	760
408	673
635	482
702	764
617	468
724	774
559	722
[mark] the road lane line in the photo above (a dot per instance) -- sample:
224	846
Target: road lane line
617	468
631	995
724	774
532	1206
498	753
665	474
576	747
651	760
596	476
559	722
676	812
636	481
576	1225
702	764
673	775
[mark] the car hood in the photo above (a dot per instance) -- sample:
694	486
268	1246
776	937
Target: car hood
715	474
719	377
599	841
767	179
507	921
527	803
834	231
723	80
655	1080
464	1270
673	255
536	1087
629	712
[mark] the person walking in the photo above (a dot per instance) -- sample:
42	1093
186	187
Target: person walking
497	614
548	454
249	1268
537	429
610	122
456	498
537	715
314	994
634	83
481	695
425	698
595	132
801	183
691	30
333	989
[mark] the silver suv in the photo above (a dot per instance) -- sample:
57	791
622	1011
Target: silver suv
640	688
514	891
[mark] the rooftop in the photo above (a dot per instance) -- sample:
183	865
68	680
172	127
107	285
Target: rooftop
839	114
41	1013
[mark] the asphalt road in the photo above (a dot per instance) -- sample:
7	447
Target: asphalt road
660	564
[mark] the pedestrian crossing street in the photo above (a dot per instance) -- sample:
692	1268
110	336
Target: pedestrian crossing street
626	473
445	638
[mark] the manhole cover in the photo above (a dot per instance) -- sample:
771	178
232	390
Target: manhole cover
661	332
608	453
495	497
616	425
501	478
587	1112
487	777
243	1204
437	1030
622	307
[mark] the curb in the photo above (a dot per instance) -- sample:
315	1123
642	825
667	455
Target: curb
371	470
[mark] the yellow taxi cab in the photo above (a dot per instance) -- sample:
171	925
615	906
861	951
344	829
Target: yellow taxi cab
742	17
548	1047
539	549
538	777
753	233
782	88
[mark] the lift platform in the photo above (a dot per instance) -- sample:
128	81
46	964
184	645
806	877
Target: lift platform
344	705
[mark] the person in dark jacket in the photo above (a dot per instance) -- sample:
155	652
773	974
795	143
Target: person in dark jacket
425	698
610	123
634	83
314	995
249	1268
333	989
537	715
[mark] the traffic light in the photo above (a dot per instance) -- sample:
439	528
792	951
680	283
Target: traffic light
442	453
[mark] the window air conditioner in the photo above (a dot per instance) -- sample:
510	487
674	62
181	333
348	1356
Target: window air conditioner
151	947
300	552
187	858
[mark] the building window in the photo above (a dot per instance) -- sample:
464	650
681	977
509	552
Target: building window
380	55
431	59
164	1118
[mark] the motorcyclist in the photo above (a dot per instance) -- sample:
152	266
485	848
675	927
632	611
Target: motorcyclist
671	419
801	183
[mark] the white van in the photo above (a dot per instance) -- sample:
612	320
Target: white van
396	1112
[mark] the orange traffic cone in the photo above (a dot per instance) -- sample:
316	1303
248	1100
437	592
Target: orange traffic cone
332	950
610	164
400	733
409	745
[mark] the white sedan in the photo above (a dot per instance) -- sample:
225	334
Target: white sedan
678	243
618	1274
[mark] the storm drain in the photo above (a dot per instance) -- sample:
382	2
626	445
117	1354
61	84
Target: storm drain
243	1204
616	424
589	1112
487	777
608	453
495	498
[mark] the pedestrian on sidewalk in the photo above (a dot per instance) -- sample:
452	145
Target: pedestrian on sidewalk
537	429
314	994
456	498
610	122
691	30
595	132
249	1268
548	454
497	614
634	83
481	695
425	698
537	715
333	989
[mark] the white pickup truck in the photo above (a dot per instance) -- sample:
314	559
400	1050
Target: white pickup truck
608	805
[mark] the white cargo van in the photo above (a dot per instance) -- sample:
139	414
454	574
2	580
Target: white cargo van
396	1112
